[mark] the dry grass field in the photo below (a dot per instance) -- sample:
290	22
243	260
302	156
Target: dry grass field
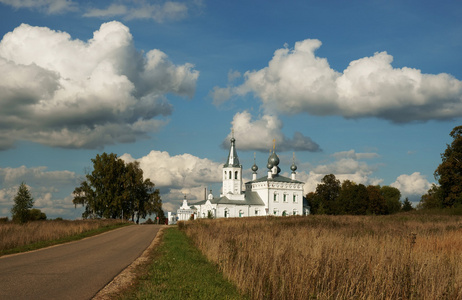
336	257
15	235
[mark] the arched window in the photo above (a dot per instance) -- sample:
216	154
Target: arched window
235	175
295	198
225	174
230	174
285	198
295	212
226	213
241	213
284	213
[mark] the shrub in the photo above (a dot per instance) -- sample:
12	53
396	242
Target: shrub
36	215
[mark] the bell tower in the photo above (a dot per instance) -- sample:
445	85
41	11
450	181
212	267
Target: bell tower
232	172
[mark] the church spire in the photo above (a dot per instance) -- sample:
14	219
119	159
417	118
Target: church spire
233	160
232	172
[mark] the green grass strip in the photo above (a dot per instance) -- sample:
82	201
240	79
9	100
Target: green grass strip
70	238
180	271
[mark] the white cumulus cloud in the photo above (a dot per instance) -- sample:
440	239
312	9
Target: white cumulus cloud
347	165
415	184
178	175
64	92
179	171
259	134
296	81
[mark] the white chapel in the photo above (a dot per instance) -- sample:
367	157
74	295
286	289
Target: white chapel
272	194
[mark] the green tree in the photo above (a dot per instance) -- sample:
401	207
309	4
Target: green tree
102	192
353	198
117	190
23	202
377	204
407	205
328	192
140	197
313	202
392	198
449	172
432	199
36	214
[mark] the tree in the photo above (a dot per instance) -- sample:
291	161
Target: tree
377	204
23	202
449	172
36	214
101	193
407	205
117	190
432	199
313	202
353	198
392	198
328	192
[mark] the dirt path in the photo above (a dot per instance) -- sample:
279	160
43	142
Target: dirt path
76	270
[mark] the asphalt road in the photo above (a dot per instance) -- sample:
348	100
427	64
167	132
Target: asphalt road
77	270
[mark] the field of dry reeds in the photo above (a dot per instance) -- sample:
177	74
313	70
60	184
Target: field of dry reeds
15	235
336	257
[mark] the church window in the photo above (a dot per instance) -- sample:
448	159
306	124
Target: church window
235	175
275	197
256	212
295	198
225	174
275	212
285	198
284	213
226	213
241	213
295	212
230	174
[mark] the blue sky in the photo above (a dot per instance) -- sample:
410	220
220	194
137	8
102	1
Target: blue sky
366	90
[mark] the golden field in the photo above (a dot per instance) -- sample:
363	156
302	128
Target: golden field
15	235
336	257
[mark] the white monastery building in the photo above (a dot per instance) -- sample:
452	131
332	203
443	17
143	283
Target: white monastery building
272	194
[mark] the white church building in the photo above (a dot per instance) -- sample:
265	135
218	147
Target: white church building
272	194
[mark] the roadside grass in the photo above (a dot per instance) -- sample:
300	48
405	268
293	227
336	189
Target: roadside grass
179	271
15	238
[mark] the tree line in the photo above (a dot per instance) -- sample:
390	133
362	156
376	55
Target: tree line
448	193
348	198
115	189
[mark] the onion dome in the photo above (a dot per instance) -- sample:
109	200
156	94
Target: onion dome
269	166
293	167
254	168
273	159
